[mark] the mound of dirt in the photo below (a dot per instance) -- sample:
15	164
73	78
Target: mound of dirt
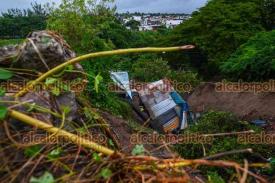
245	105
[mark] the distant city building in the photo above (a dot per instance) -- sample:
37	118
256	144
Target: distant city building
172	23
145	28
137	18
150	22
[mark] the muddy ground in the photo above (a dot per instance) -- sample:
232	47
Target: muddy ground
245	105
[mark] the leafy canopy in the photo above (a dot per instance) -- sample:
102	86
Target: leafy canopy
217	30
253	61
17	23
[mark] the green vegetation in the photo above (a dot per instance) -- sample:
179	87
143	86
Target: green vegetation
214	122
218	29
268	12
159	69
47	177
133	24
233	38
138	150
16	23
156	70
220	122
80	23
213	177
4	42
95	28
254	60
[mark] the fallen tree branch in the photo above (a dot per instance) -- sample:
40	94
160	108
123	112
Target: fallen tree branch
244	177
228	153
60	133
99	54
228	133
182	163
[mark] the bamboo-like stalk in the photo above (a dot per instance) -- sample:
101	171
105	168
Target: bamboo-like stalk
99	54
60	133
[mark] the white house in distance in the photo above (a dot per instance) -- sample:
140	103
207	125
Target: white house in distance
150	22
145	28
170	24
137	18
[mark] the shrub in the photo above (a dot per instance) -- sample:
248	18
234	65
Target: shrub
253	61
220	122
184	79
149	68
217	30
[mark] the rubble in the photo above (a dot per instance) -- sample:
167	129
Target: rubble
168	112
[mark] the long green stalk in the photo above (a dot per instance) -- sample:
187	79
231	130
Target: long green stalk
99	54
60	133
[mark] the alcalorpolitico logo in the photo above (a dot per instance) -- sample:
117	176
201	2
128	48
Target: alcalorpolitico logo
171	139
260	138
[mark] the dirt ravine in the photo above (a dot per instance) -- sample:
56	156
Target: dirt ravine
247	106
123	132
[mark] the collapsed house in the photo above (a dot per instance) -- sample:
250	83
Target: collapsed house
156	102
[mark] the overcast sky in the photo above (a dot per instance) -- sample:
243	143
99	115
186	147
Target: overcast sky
154	6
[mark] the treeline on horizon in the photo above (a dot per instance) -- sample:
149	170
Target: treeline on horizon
17	23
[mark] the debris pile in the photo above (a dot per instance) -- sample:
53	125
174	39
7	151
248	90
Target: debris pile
156	102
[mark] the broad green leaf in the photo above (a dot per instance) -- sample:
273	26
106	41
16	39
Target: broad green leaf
55	91
32	151
138	150
50	81
65	109
5	74
105	173
213	177
81	131
96	157
70	68
31	107
55	153
111	143
98	79
3	112
45	178
64	87
2	92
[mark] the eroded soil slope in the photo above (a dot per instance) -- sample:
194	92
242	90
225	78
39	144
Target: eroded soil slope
248	106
